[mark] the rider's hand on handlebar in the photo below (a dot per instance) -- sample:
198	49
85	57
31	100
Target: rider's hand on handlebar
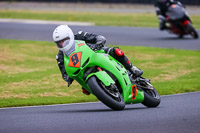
96	46
68	80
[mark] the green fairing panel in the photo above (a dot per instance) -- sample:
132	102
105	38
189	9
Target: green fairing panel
130	99
104	77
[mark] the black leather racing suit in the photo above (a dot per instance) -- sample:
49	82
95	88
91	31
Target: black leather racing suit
94	41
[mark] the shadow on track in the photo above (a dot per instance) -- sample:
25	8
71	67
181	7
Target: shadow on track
175	38
94	110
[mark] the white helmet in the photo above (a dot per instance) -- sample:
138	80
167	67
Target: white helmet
63	32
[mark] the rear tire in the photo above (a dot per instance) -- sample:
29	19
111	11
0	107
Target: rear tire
115	103
151	98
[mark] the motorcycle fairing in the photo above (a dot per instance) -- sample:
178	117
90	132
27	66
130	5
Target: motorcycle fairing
83	57
175	12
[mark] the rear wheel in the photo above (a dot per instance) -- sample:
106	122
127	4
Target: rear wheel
110	96
151	98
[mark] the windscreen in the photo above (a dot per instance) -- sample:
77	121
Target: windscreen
175	12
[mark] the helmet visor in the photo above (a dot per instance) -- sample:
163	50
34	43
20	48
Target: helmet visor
63	43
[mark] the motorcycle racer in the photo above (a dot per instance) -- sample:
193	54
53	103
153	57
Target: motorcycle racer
64	37
161	7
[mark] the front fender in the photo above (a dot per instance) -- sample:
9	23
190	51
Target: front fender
103	76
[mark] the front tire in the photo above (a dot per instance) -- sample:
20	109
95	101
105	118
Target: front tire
192	31
115	101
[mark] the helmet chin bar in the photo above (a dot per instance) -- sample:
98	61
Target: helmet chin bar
68	45
65	43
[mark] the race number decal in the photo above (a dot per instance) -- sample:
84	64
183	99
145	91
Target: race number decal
134	92
75	59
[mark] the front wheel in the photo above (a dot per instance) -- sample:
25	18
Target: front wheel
192	31
108	95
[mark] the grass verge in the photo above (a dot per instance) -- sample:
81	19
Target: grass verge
108	19
29	74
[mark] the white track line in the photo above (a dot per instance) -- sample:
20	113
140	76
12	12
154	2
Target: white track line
27	21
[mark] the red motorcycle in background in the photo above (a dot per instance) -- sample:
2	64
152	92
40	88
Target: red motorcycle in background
179	23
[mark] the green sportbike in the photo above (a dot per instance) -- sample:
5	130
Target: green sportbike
107	79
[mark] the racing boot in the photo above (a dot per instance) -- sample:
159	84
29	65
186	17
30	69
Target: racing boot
162	21
163	26
135	71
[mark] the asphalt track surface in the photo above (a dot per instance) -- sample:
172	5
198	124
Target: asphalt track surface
176	114
131	36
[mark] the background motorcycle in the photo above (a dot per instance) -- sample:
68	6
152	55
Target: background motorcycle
179	22
107	79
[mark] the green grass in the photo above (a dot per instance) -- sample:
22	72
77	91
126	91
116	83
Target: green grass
108	19
29	74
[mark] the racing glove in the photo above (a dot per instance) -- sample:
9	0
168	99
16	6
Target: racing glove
95	47
100	42
68	79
